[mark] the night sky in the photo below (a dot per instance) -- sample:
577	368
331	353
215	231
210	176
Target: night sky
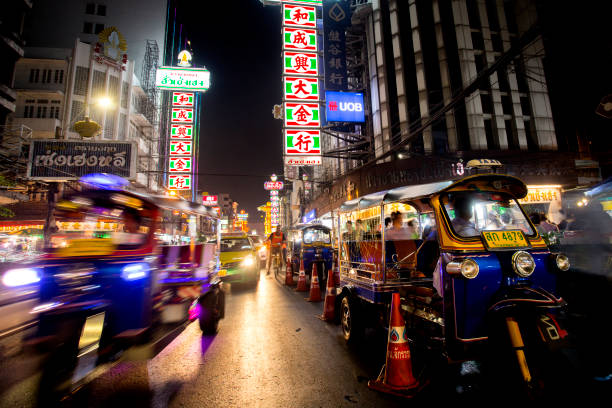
240	43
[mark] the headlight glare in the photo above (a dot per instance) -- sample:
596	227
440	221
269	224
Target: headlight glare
248	261
135	271
563	262
20	277
523	264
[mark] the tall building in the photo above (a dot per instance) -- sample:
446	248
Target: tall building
12	16
54	24
444	82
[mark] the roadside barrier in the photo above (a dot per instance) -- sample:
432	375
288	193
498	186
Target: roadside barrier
301	286
289	274
329	307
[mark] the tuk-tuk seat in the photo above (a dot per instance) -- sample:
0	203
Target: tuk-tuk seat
370	252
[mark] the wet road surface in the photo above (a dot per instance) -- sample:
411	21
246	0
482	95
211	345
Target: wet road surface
271	351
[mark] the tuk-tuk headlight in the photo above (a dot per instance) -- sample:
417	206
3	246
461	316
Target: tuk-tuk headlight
523	264
135	271
467	268
563	262
20	277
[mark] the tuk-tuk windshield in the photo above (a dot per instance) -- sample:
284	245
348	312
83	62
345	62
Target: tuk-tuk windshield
470	213
316	235
235	244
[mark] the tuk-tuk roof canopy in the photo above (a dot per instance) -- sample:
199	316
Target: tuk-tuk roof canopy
304	226
512	184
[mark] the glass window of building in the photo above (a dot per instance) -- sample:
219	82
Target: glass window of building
59	76
80	81
34	73
101	10
90	8
99	28
87	28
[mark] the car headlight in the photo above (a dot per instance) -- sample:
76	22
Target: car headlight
562	261
248	261
523	264
135	271
467	268
21	277
262	251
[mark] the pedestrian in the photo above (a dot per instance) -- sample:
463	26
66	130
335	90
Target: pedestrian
397	232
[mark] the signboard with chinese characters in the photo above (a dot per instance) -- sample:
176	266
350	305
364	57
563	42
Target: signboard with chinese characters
181	131
302	114
185	99
69	160
541	194
344	107
301	16
300	39
182	115
303	160
273	185
179	182
210	200
301	88
182	79
300	63
313	2
181	147
336	17
180	164
302	142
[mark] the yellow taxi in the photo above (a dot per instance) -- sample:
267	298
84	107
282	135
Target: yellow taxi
239	259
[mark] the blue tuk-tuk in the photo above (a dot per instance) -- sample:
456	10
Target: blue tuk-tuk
312	244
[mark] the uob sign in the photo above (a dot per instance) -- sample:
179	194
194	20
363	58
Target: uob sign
344	107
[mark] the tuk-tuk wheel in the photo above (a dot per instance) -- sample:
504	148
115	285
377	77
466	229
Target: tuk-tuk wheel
210	315
352	330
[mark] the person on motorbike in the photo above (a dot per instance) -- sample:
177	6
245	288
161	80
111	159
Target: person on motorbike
276	243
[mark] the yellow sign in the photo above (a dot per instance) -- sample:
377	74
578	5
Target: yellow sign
87	247
514	239
541	194
222	272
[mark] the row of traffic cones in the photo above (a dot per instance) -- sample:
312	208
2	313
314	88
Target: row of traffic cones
396	376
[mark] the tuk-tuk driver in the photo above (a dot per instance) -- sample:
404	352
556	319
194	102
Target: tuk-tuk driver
276	244
462	223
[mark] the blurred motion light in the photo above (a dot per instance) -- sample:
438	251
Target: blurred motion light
135	271
104	181
20	277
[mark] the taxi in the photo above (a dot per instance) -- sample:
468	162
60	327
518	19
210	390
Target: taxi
239	259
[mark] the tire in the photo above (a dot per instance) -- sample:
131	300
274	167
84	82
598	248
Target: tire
211	314
352	328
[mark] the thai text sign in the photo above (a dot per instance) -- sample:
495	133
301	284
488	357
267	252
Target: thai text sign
273	185
181	131
300	63
301	39
68	160
301	88
180	164
344	107
210	200
180	147
179	182
185	99
302	115
303	160
542	194
183	79
182	115
302	142
302	16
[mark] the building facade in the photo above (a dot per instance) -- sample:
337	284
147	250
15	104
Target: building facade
444	82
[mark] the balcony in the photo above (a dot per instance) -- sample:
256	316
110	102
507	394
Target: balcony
41	128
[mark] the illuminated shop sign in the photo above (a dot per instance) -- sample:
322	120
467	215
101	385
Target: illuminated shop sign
301	88
344	107
300	63
181	131
182	79
180	164
302	114
541	194
302	142
301	16
182	115
180	147
179	182
299	39
185	99
273	185
210	200
303	160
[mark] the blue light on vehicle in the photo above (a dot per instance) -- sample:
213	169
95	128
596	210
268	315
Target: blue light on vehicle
20	277
104	181
135	271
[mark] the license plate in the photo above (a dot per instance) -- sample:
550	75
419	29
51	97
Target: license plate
222	272
92	331
512	239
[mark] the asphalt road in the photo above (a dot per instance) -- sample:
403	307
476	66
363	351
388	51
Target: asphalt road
271	351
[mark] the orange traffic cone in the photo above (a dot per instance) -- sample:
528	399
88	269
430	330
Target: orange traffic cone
289	274
329	312
301	286
315	289
396	376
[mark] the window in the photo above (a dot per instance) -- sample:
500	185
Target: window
98	84
235	244
471	212
316	235
124	94
77	111
487	103
99	28
87	28
34	75
28	111
90	8
41	112
101	10
109	125
80	81
59	76
122	126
